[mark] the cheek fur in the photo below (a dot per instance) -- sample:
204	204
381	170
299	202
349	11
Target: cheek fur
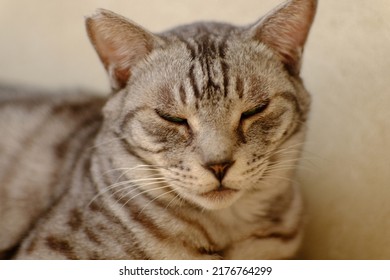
272	128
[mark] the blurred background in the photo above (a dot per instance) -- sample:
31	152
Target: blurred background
345	171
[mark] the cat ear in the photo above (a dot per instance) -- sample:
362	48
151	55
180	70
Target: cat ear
119	43
285	30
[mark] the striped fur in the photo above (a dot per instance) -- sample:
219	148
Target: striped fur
191	157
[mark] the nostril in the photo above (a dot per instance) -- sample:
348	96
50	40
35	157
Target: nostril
219	169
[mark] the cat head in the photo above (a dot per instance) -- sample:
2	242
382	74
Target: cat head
209	104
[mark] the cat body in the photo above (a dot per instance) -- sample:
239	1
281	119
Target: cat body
191	157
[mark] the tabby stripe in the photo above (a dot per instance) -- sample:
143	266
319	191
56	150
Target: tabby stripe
146	222
188	46
129	116
77	108
111	218
9	253
183	95
241	134
282	236
223	46
68	164
93	237
160	137
210	83
75	219
225	73
239	87
127	147
290	97
31	245
181	216
61	246
141	218
73	165
193	82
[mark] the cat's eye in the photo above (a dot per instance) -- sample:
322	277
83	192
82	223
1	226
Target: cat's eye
256	110
172	119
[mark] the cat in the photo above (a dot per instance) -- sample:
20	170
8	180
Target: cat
191	156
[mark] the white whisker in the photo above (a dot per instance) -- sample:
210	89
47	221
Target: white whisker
177	196
141	193
154	199
130	183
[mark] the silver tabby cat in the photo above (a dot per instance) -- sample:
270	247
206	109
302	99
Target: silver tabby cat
190	157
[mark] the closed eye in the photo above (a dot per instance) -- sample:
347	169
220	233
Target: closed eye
254	111
172	119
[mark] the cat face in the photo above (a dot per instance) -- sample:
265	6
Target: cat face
192	116
208	105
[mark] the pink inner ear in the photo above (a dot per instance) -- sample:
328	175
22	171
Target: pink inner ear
116	62
122	76
285	30
119	43
288	41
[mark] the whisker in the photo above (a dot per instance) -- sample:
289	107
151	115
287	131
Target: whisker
134	181
289	167
300	144
129	183
284	161
147	168
137	187
177	196
142	167
154	199
138	168
280	178
141	193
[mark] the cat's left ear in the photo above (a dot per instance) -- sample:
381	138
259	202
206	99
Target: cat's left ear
285	30
120	44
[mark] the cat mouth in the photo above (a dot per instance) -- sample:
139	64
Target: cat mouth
219	193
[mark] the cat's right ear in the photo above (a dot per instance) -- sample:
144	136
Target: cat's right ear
119	43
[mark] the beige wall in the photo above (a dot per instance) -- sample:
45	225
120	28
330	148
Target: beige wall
345	173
